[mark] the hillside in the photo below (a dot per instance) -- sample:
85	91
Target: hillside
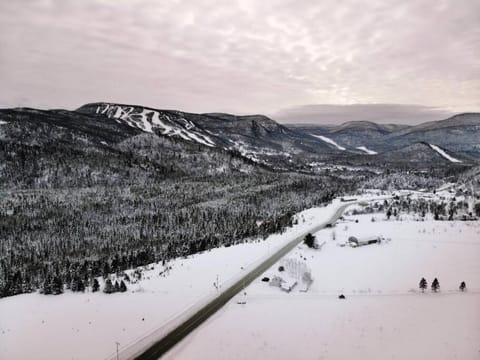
101	194
351	134
44	149
458	134
256	137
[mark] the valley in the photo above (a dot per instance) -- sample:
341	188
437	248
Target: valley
132	219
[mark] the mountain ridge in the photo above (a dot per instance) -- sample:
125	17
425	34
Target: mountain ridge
261	139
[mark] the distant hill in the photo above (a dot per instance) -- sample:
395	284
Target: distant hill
459	134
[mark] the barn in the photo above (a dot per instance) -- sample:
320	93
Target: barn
356	241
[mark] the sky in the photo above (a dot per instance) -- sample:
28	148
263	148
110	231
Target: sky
295	60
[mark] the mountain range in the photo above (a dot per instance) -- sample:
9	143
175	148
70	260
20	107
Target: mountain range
458	134
107	130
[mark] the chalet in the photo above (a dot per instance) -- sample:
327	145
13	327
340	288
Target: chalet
355	241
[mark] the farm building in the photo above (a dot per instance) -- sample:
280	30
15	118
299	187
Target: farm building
354	241
286	284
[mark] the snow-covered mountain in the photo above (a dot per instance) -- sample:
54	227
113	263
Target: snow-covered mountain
98	127
254	136
422	153
352	134
459	133
169	123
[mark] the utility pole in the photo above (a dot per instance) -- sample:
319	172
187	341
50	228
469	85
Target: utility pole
118	344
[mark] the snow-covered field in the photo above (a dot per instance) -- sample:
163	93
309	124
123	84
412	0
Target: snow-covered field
87	326
384	315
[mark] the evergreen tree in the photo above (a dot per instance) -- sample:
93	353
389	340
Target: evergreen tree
47	286
106	269
108	289
462	286
423	284
95	285
123	287
68	280
77	284
116	287
57	285
435	285
81	285
309	240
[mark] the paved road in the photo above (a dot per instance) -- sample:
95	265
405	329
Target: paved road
180	332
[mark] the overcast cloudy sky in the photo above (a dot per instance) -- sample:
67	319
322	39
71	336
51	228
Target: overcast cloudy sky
279	57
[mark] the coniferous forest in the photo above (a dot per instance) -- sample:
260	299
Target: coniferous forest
78	203
71	236
83	197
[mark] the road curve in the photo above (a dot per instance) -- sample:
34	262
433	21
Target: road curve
164	344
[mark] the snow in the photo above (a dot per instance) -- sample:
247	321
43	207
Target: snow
330	141
384	315
368	151
251	152
202	139
86	326
273	323
147	119
3	122
444	154
364	327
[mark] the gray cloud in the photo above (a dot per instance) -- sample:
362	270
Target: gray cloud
379	113
240	56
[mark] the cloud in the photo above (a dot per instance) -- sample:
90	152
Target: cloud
379	113
240	56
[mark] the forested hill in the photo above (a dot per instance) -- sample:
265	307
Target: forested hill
42	149
85	195
105	188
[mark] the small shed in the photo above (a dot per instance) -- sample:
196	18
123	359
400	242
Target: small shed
286	284
356	241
